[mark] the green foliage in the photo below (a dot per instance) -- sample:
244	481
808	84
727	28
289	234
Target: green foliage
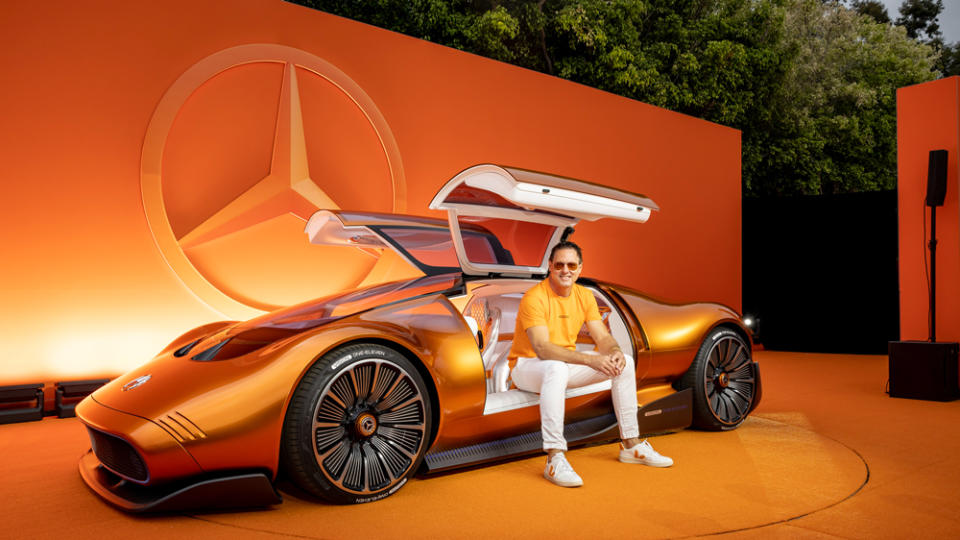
810	83
921	19
834	126
874	8
949	63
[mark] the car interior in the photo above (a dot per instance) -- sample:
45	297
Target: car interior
491	313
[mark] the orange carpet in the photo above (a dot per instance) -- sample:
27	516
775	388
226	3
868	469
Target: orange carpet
826	455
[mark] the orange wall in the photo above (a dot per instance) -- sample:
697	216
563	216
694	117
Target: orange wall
132	130
928	118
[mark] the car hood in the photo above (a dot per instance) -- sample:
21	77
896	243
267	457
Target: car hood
200	361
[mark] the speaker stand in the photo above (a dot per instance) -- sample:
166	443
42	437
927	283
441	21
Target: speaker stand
933	274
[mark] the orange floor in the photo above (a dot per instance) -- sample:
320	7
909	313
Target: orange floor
826	455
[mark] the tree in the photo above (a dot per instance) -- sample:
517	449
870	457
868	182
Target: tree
873	8
949	63
921	19
810	83
834	123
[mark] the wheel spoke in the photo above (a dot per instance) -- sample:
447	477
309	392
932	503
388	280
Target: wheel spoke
711	388
396	460
415	427
340	402
739	404
362	375
723	351
402	412
354	385
352	477
343	389
402	391
733	357
730	349
742	359
325	437
374	469
383	379
731	407
744	391
334	458
744	371
330	410
738	401
712	358
406	440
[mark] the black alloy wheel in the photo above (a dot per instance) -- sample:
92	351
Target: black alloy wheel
358	425
723	379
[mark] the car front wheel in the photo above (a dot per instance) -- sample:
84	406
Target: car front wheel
357	426
723	380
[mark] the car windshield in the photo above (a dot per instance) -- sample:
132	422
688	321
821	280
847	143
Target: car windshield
317	312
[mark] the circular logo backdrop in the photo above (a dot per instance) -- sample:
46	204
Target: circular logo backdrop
241	150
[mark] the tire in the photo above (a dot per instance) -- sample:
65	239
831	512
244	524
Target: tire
358	425
723	381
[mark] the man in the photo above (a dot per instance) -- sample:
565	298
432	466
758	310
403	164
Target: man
544	346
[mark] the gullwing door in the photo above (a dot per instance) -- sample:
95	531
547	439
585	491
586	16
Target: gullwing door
424	243
527	212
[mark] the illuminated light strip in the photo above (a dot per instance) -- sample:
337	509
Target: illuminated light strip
547	198
574	201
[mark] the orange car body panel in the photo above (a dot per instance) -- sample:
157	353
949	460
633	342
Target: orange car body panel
167	458
669	335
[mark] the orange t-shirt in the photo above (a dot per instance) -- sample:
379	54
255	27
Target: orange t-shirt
563	317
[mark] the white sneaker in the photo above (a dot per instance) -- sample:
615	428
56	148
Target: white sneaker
645	454
559	471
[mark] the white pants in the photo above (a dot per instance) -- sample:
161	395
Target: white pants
551	378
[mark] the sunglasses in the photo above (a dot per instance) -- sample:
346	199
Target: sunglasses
571	266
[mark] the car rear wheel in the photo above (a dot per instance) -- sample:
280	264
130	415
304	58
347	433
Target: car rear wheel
357	426
723	380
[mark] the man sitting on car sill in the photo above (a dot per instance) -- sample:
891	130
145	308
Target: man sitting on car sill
547	361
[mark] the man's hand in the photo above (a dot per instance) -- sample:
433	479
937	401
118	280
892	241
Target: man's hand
605	342
619	358
609	364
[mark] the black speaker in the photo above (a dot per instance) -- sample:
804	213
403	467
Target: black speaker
924	370
937	178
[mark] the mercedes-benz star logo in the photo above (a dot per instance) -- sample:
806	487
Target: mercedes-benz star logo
235	161
139	381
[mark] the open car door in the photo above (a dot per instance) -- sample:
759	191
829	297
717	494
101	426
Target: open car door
422	244
527	212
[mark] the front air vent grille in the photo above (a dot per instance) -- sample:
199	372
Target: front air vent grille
185	349
210	353
181	427
118	455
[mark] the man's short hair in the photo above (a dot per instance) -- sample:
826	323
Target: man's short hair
566	244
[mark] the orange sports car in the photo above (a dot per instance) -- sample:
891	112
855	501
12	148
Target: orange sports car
351	394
